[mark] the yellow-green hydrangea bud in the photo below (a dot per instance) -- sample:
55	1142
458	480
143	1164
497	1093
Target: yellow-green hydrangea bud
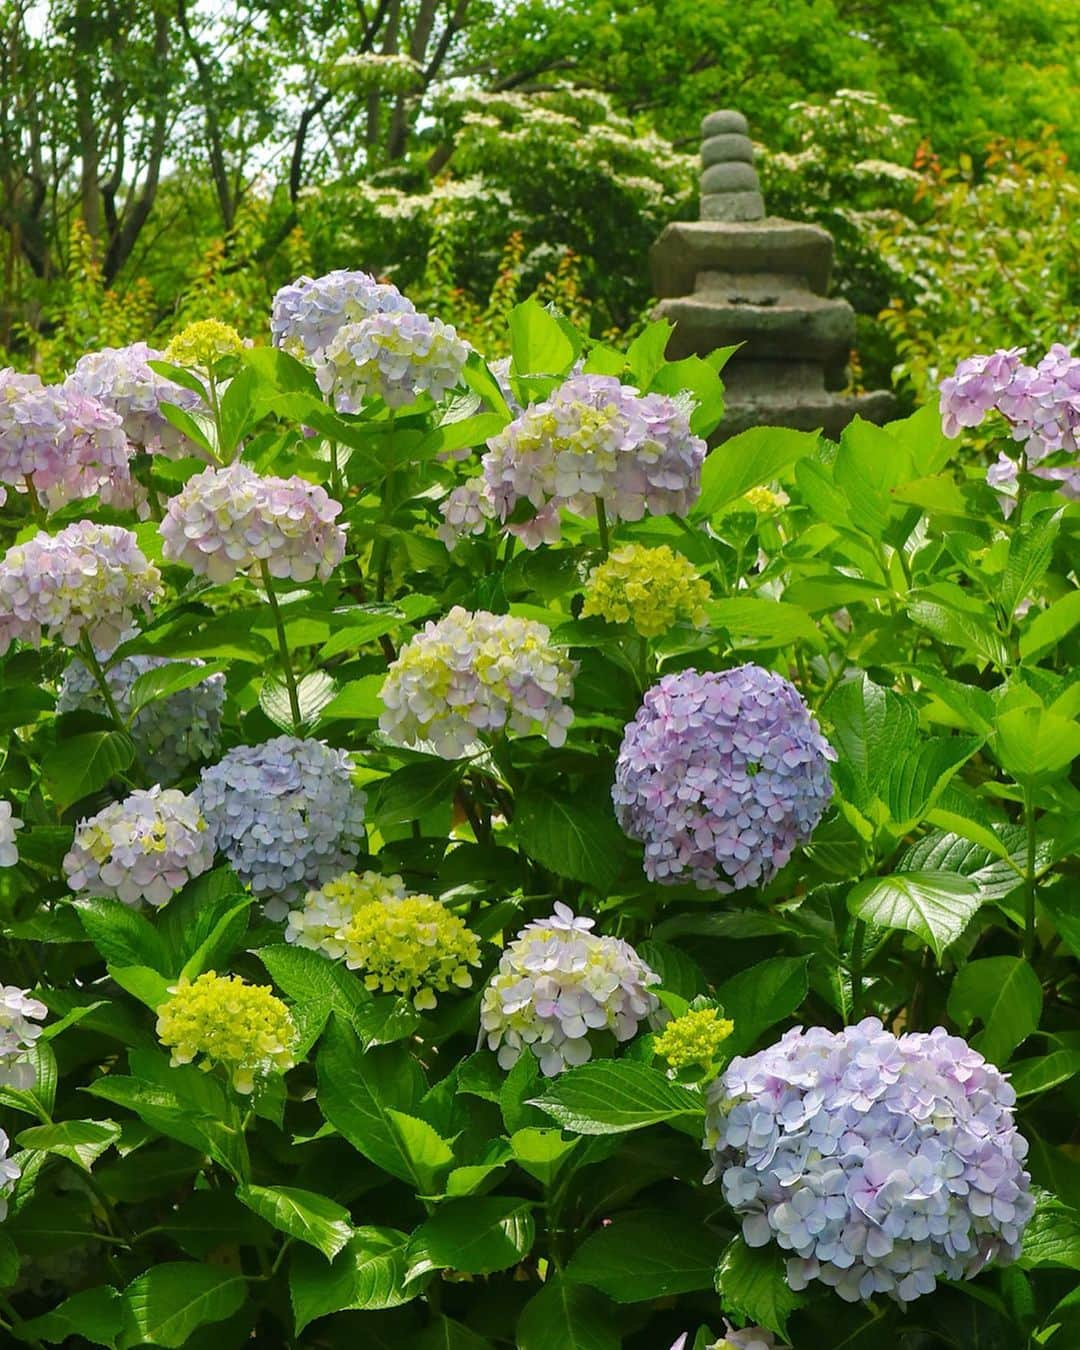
203	343
410	945
693	1038
766	501
320	921
243	1027
651	588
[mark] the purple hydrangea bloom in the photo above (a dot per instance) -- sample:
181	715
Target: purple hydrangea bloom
720	775
285	814
121	379
62	443
975	387
594	437
880	1162
395	357
307	313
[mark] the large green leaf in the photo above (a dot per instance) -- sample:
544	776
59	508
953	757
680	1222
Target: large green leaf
538	342
935	906
919	776
411	792
368	1274
566	1316
758	622
1052	1237
609	1097
97	1315
870	728
477	1236
1004	994
166	1303
1035	745
76	767
751	1283
647	1255
80	1141
312	1218
1049	626
758	998
753	457
574	836
948	613
162	681
122	935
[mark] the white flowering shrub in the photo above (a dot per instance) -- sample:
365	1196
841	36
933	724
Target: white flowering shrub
480	869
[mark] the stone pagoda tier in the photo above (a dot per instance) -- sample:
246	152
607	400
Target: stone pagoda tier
739	276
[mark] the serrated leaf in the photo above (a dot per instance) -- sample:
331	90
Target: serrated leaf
766	623
645	1256
566	1316
368	1274
163	681
477	1236
574	836
74	768
758	998
80	1141
919	776
1005	995
359	699
871	728
745	461
122	935
959	627
1034	745
1049	626
97	1315
411	792
320	1222
609	1097
314	693
538	342
165	1304
935	906
1052	1237
751	1283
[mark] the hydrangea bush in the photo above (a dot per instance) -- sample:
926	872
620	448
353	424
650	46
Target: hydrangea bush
479	871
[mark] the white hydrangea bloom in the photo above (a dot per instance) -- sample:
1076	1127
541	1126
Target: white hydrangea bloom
395	357
9	1174
18	1013
10	824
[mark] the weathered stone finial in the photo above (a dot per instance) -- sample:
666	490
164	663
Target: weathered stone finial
729	181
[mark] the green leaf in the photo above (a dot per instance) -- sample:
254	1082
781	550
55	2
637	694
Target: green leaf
751	1284
935	906
768	623
918	777
9	1262
477	1236
746	461
148	986
220	943
946	614
696	379
314	693
42	1096
357	1092
574	836
80	1141
1049	626
309	979
1034	745
1005	995
97	1315
566	1316
758	998
541	1153
538	343
367	1275
428	1153
1052	1237
609	1097
647	1255
461	434
165	1304
1044	1072
645	355
74	768
445	1334
1031	549
321	1223
162	681
871	729
410	793
192	427
359	700
122	935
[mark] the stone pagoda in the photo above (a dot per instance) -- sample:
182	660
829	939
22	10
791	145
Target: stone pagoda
740	276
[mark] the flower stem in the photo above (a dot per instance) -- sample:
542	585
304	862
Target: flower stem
36	509
1029	873
858	936
602	526
89	656
283	648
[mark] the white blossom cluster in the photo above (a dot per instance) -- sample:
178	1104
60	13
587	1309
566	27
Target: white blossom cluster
10	824
227	521
141	850
466	509
171	732
558	983
18	1032
121	379
285	814
468	674
10	1172
395	357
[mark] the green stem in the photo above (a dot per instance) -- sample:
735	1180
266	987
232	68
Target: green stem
335	471
14	1321
1029	873
283	648
858	935
89	656
602	526
36	509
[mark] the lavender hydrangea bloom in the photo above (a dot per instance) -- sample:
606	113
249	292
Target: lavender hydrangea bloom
172	732
18	1013
285	814
975	387
465	510
395	357
880	1162
556	983
141	850
594	437
749	1338
227	521
720	775
84	581
62	443
307	313
472	673
121	379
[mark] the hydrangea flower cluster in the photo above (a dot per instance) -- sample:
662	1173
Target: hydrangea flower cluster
319	922
243	1027
693	1039
650	588
10	1172
594	438
83	582
285	814
471	673
141	850
556	983
720	775
1041	403
749	1338
880	1162
121	379
227	521
10	825
410	945
465	510
62	443
172	732
18	1014
307	313
395	357
202	344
